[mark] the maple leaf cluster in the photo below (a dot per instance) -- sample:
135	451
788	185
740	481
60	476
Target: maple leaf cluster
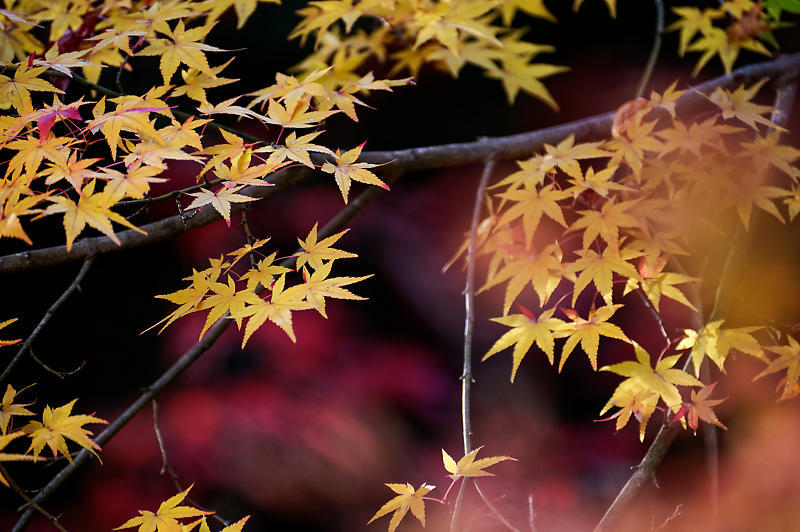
729	28
578	220
261	293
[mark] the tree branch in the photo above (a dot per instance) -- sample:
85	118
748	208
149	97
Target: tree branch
192	354
156	231
26	346
780	70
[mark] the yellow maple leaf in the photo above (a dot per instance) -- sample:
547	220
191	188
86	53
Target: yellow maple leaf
297	149
30	152
518	73
278	309
181	46
91	208
16	91
448	23
133	183
692	21
407	499
56	425
228	107
531	202
264	272
525	330
788	359
225	298
716	343
717	42
221	200
645	385
318	286
605	223
165	519
8	408
241	173
467	466
297	116
72	169
314	253
345	168
600	269
588	331
196	82
127	116
543	270
738	104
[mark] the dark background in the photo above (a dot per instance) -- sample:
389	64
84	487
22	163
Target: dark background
303	436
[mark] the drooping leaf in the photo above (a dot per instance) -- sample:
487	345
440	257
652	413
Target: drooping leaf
407	499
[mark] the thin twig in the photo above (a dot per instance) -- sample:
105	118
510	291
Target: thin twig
651	60
186	360
50	517
785	67
26	346
656	316
531	514
167	468
711	444
59	374
469	308
119	74
675	514
469	321
250	240
494	510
